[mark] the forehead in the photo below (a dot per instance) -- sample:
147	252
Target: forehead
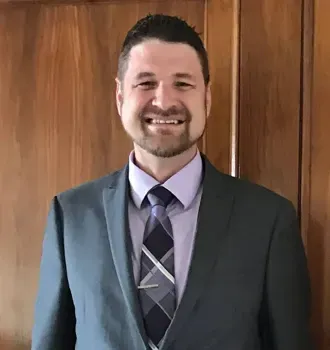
162	58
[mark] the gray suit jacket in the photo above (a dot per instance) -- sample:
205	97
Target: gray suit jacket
247	287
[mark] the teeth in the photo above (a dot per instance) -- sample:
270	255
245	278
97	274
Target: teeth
157	121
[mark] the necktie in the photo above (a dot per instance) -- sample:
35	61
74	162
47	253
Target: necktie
157	284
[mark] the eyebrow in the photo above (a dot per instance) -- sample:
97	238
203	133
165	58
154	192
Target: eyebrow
184	76
144	75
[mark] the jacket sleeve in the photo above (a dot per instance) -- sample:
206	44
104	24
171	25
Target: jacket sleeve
54	318
285	312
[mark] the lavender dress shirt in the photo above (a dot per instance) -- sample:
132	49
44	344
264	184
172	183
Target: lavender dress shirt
186	185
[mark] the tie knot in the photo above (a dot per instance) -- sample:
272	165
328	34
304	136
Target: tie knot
160	196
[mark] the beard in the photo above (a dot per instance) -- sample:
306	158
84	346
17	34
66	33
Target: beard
166	146
165	143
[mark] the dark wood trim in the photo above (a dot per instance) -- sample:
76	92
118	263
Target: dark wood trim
305	115
206	40
219	36
235	98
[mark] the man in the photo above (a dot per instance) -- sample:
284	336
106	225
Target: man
168	253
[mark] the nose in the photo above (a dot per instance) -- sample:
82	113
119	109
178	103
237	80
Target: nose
164	97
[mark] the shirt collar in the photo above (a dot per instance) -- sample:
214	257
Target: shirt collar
184	184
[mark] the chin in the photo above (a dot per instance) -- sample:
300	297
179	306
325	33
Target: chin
166	152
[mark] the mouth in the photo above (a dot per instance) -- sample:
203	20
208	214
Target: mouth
155	121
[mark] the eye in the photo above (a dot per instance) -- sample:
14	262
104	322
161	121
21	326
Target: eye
146	85
183	85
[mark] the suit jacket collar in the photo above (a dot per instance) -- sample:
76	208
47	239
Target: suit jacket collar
115	199
213	218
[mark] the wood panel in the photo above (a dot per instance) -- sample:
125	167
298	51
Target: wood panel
306	112
319	218
58	126
222	40
270	94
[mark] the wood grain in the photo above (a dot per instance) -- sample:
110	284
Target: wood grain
306	112
58	127
319	218
221	21
270	94
89	2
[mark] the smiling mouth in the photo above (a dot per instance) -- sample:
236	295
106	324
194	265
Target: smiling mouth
164	122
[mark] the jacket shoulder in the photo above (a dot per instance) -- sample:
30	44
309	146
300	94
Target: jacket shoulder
250	194
91	190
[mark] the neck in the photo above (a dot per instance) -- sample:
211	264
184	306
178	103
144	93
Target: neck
159	168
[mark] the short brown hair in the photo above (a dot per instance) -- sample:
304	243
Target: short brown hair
166	28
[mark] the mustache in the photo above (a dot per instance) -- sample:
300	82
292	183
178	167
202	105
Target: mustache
172	111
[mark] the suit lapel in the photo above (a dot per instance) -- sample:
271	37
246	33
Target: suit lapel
214	214
116	210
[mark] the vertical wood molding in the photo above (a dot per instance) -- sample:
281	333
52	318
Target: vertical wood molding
221	22
305	114
234	150
203	142
318	235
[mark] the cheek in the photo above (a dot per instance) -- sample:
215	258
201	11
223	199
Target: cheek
133	104
198	109
195	99
128	108
196	106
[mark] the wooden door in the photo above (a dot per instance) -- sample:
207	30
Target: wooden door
59	126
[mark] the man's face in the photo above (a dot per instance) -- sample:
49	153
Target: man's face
162	100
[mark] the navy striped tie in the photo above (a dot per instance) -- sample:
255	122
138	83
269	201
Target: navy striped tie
157	284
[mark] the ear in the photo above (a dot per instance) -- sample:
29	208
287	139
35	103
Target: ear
119	95
208	99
